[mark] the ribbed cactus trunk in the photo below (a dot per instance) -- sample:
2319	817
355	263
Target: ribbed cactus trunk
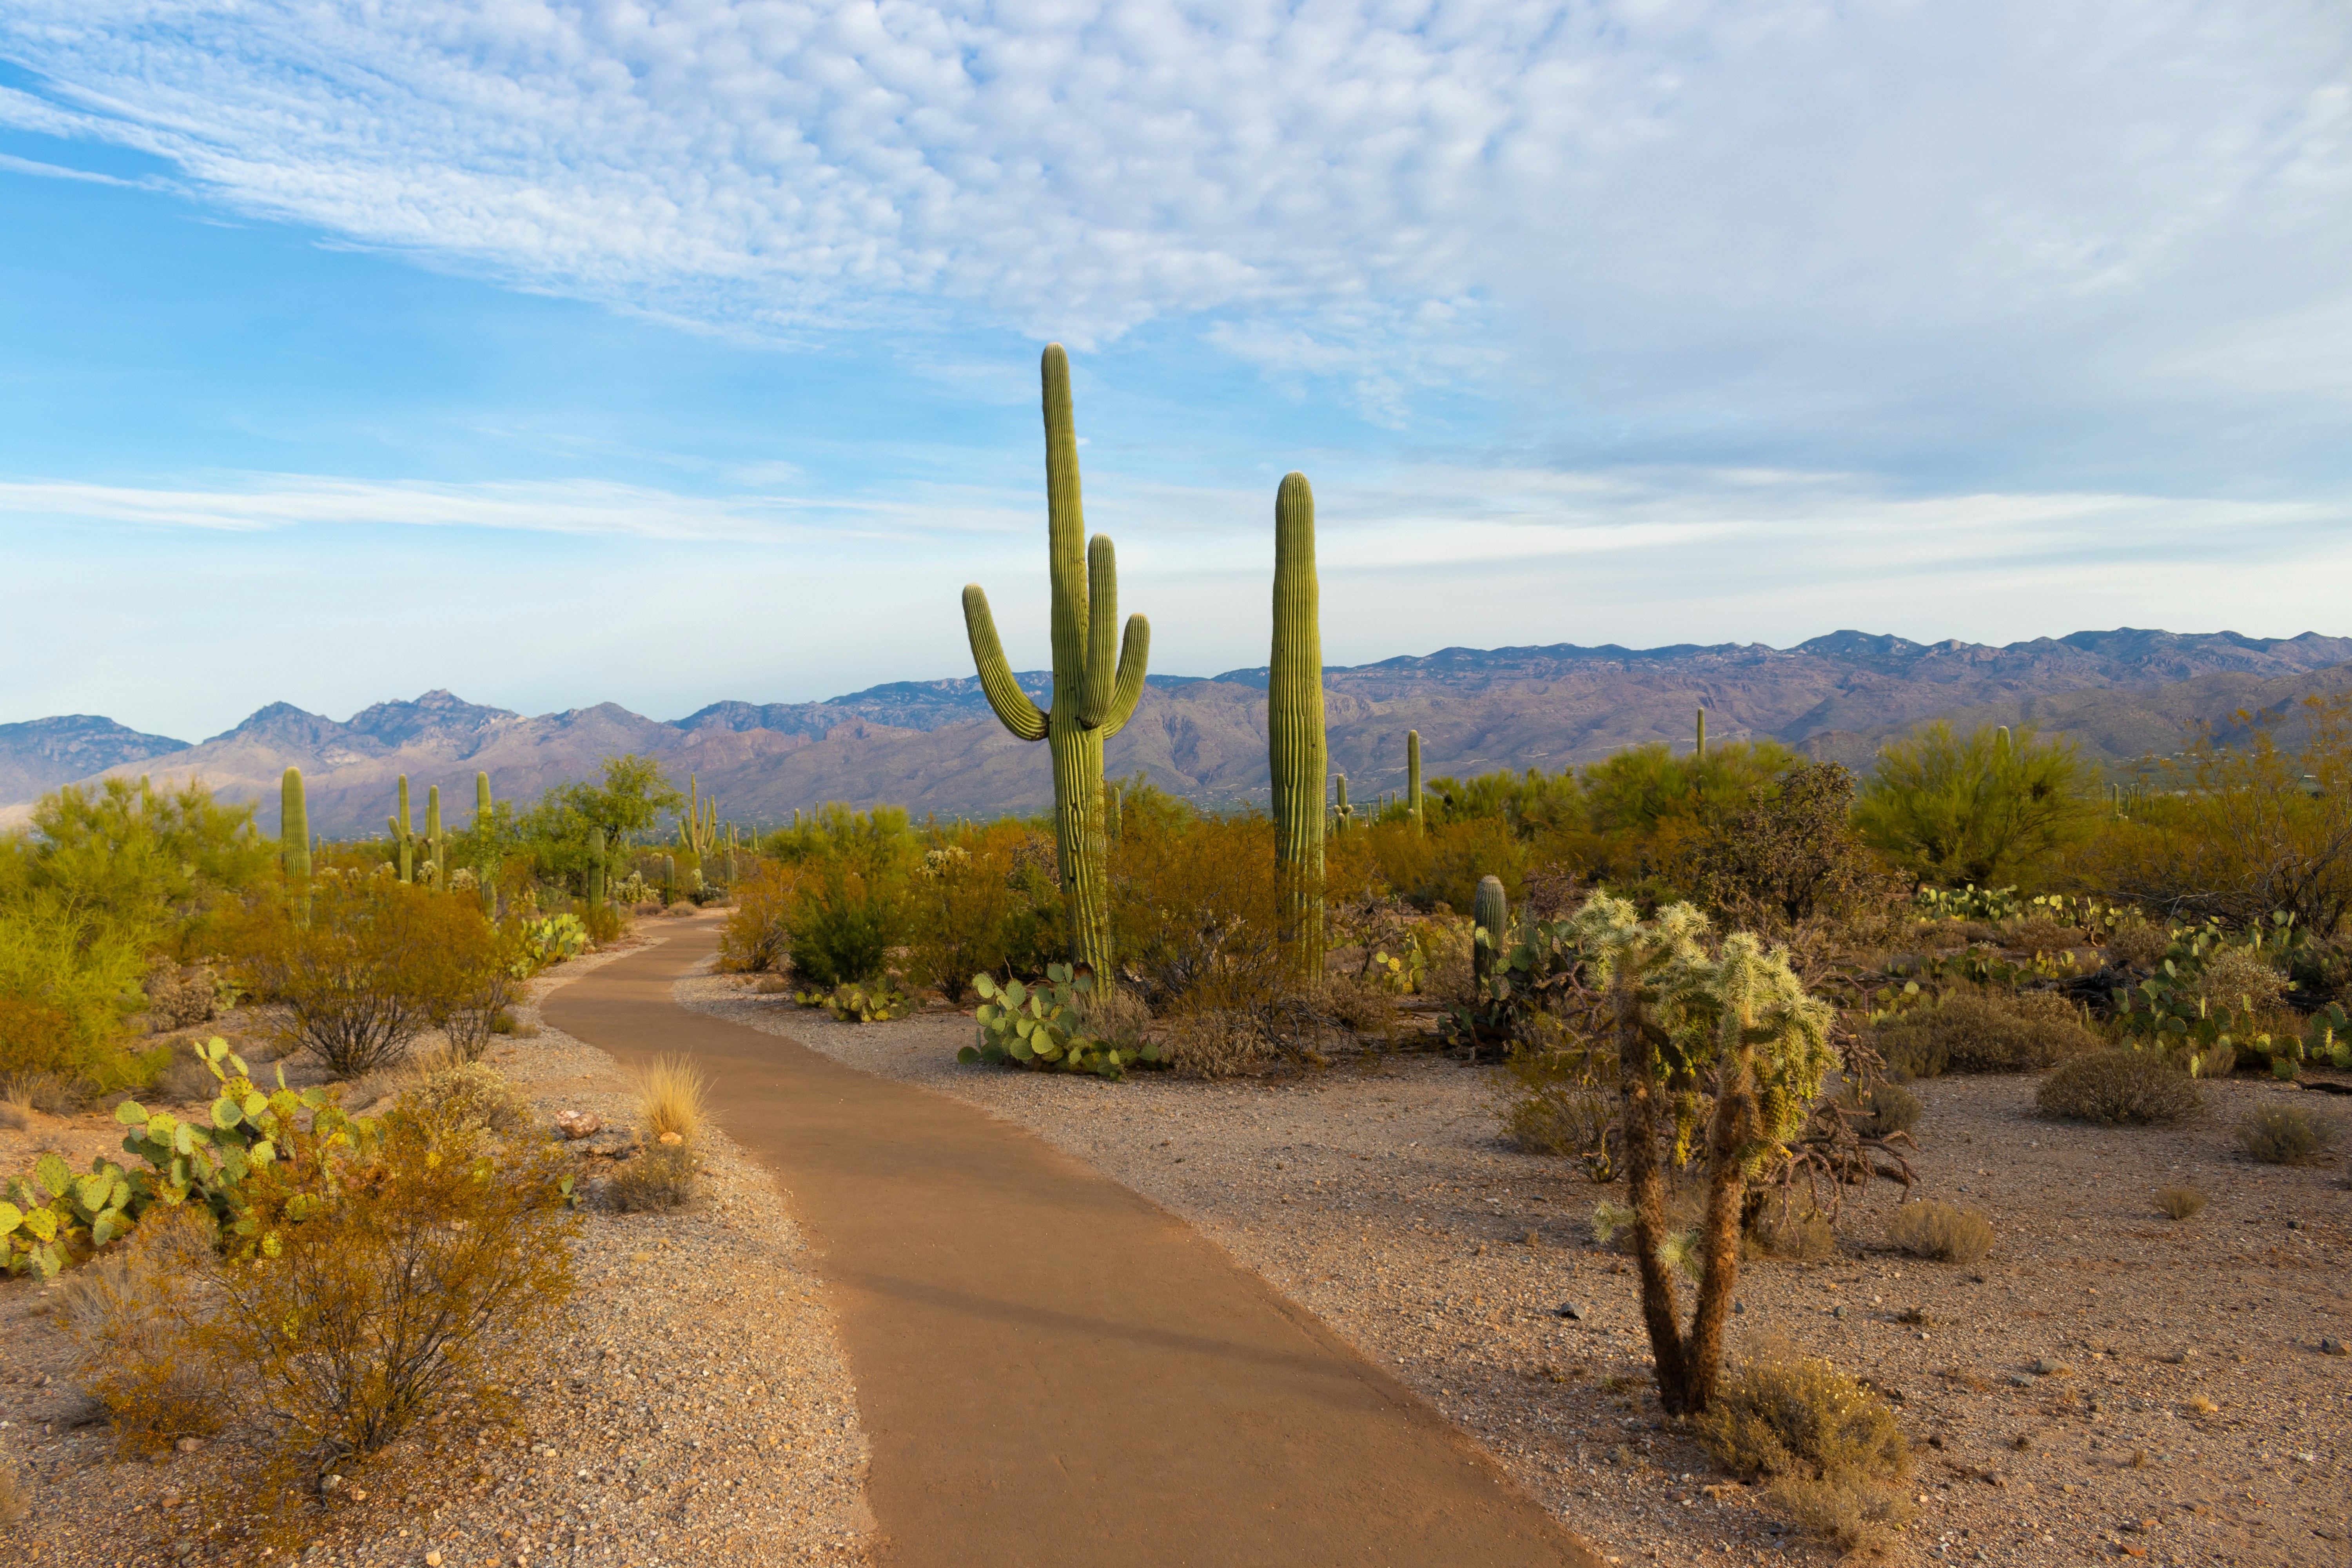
1095	693
488	872
294	840
1342	814
1492	915
595	867
1296	753
403	841
1412	777
1700	751
669	880
436	849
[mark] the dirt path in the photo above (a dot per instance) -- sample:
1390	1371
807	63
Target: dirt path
1051	1369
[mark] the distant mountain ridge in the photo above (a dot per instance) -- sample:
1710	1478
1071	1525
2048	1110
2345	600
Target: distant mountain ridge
934	746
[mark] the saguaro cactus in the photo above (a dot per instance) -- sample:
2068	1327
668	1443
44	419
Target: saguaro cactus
403	839
697	828
1412	777
669	880
1093	697
488	872
436	850
1342	814
1701	751
1297	753
294	836
595	867
1493	914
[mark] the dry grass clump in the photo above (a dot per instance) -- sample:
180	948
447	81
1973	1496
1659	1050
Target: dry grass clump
2039	933
1832	1449
2180	1203
1568	1120
1882	1109
137	1312
1805	1238
1359	1005
51	1094
2137	1089
1944	1232
1215	1042
670	1094
659	1179
469	1096
1984	1031
186	1079
2285	1135
1117	1015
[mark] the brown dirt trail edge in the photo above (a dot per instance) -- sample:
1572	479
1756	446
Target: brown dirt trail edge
1052	1370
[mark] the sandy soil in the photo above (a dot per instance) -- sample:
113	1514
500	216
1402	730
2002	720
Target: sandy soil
1378	1195
695	1410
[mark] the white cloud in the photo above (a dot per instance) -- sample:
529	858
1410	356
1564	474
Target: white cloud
1693	212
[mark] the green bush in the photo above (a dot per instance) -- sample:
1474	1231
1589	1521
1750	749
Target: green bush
2133	1087
1984	808
843	925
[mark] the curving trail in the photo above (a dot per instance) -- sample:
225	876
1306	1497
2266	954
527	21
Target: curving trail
1052	1370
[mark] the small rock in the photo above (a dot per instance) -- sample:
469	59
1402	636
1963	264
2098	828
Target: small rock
1838	1311
1571	1311
2049	1368
2333	1347
189	1444
577	1124
433	1560
680	1138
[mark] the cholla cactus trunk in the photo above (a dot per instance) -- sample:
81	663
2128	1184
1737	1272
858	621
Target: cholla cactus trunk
595	867
1493	914
1298	754
1095	693
1412	777
1700	751
294	838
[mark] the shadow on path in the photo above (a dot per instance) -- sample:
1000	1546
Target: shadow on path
1052	1370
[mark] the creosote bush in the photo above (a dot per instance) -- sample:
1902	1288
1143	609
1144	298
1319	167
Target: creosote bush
1984	1031
468	1097
1832	1449
2285	1135
2110	1088
1944	1232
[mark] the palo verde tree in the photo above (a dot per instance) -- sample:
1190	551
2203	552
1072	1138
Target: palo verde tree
1979	807
1093	697
1738	1025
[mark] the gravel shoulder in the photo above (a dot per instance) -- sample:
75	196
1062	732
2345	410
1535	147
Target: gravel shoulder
1378	1195
694	1409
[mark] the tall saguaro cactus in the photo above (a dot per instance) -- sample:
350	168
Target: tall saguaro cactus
1701	750
436	850
488	872
595	867
294	837
1297	751
1093	697
401	838
1412	777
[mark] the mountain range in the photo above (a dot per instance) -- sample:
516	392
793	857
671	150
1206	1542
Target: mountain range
934	746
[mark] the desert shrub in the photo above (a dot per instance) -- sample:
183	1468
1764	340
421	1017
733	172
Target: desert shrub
1563	1102
180	995
605	923
1212	1042
1789	856
671	1090
2180	1203
1981	809
1442	865
186	1079
1881	1110
657	1180
757	938
52	1094
2041	934
377	961
2241	980
136	1315
842	925
1117	1015
468	1018
1359	1004
1944	1232
467	1095
1196	911
62	980
1984	1031
1785	1231
1832	1448
959	902
2134	1088
2285	1135
385	1278
2138	944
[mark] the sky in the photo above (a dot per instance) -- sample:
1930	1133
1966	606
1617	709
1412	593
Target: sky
661	353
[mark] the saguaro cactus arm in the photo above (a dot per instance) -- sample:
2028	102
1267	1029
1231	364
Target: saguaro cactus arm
1020	715
1134	652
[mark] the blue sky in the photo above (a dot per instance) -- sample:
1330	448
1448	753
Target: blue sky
658	353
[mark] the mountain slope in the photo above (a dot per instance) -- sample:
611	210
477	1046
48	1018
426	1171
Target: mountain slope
39	754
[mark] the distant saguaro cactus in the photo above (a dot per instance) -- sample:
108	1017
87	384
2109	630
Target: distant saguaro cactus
1093	697
488	873
1297	753
595	867
669	880
1342	814
294	838
401	838
1701	750
1412	777
436	849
